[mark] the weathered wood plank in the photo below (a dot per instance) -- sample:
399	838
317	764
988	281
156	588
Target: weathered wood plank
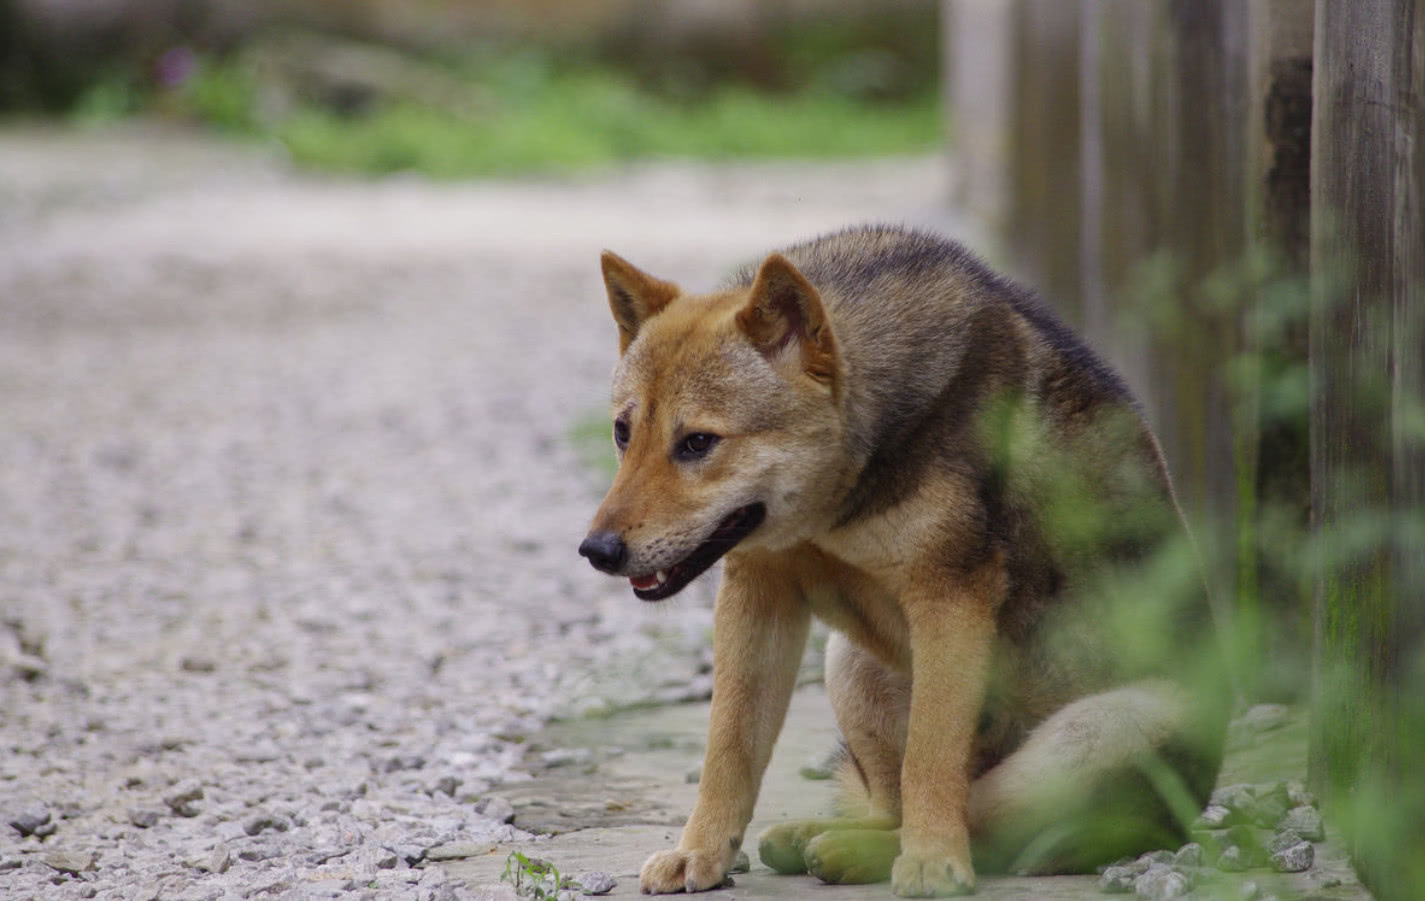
1044	210
1368	269
1273	438
980	82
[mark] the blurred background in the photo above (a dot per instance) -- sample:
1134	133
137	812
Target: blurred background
458	89
1227	198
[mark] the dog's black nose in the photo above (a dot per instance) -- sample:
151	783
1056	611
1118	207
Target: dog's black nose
605	550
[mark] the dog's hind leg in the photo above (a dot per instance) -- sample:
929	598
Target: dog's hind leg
1108	775
872	705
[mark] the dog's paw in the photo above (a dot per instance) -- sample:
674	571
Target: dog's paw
932	875
782	847
682	871
852	856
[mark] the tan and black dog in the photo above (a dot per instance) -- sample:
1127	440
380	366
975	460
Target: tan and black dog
877	430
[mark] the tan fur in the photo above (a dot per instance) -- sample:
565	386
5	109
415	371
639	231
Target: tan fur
921	439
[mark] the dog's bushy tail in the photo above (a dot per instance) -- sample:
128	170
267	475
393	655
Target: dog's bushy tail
853	798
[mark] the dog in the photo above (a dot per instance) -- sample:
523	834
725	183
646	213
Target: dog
875	429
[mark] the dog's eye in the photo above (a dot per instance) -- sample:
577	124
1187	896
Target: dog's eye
620	434
696	446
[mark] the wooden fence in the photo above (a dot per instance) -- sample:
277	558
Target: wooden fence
1167	171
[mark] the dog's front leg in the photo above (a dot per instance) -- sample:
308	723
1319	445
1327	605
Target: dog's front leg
952	631
759	635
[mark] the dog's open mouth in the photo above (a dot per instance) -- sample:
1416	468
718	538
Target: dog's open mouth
667	582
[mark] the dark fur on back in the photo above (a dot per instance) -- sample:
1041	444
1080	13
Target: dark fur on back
851	267
952	359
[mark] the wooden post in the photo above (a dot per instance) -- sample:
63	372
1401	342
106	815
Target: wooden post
1044	151
1273	609
1120	152
1367	465
1195	190
978	69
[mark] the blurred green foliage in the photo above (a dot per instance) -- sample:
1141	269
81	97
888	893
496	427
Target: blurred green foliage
594	119
527	110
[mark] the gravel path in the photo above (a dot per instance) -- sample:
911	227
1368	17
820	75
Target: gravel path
288	499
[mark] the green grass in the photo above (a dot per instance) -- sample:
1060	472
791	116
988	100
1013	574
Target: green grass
530	115
533	877
593	121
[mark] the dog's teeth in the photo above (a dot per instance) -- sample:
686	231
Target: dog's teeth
662	576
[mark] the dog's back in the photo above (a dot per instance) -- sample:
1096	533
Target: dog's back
953	367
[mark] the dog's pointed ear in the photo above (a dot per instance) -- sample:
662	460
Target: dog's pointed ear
785	312
634	296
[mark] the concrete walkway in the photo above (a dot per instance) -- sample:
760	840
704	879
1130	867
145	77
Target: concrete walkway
628	798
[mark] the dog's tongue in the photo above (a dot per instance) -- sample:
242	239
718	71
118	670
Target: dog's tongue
644	583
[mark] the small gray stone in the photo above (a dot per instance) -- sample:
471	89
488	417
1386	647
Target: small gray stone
28	667
151	891
1136	865
261	822
317	858
1306	821
45	830
567	757
457	851
1161	883
180	797
1215	816
27	821
595	882
325	888
144	817
71	862
498	809
1238	798
1249	891
1189	855
220	860
1283	840
405	762
446	785
257	853
740	863
411	854
1299	796
1164	858
13	863
229	831
1295	859
1232	860
1117	880
197	663
1269	804
693	776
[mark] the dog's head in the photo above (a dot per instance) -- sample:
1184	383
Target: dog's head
727	421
